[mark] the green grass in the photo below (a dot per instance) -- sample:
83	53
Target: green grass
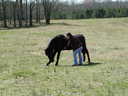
22	60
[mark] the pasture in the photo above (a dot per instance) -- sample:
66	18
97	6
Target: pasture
22	60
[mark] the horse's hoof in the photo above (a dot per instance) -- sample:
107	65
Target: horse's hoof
56	64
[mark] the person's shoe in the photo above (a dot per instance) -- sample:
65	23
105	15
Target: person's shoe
74	65
80	64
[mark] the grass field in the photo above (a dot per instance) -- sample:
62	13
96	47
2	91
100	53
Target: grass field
22	60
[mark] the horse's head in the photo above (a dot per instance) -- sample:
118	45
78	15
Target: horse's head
55	45
49	54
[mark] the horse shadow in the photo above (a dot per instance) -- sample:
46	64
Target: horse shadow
90	64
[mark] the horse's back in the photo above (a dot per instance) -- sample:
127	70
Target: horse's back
80	36
59	41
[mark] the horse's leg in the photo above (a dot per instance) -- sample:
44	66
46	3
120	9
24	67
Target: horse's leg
58	56
48	62
83	51
51	59
84	56
88	55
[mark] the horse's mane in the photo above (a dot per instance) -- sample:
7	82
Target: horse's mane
50	44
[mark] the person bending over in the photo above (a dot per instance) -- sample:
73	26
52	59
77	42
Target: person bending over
76	45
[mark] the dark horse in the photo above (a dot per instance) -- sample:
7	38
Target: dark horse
59	43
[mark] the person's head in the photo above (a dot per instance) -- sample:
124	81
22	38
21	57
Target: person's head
69	35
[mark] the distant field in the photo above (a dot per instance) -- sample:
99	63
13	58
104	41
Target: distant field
22	60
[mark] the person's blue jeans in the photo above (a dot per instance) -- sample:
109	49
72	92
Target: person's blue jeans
78	53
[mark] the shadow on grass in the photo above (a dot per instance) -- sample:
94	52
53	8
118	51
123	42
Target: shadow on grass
90	64
23	27
65	24
38	25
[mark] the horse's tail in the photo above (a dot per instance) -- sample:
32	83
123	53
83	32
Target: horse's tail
85	50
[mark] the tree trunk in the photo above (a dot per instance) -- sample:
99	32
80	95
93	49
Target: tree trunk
14	14
4	13
30	14
26	17
10	12
48	4
47	19
17	12
37	11
20	14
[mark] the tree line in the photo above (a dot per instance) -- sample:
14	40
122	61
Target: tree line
92	9
93	13
26	13
23	13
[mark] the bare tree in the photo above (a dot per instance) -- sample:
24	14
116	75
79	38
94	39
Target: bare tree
0	13
20	13
14	14
37	11
26	13
4	13
31	6
48	5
